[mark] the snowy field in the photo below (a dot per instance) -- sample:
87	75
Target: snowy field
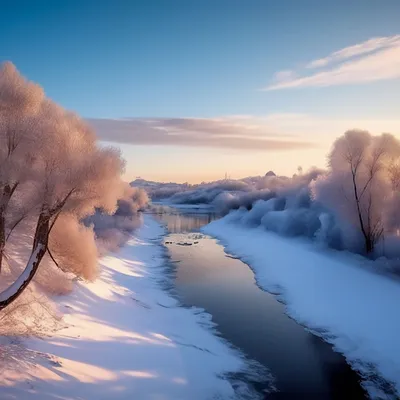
331	294
126	338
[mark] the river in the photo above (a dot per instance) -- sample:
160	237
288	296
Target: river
303	365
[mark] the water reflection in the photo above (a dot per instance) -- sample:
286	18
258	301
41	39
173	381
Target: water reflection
185	220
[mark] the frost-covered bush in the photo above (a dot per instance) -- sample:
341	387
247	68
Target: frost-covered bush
208	193
160	190
292	222
257	212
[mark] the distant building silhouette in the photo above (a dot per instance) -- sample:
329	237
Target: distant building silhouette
270	173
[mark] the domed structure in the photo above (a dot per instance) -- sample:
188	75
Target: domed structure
270	173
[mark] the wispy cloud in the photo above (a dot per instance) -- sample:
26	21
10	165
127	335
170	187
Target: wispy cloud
369	46
234	132
325	129
272	132
373	60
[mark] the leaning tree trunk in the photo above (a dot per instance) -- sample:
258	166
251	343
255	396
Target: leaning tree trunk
38	251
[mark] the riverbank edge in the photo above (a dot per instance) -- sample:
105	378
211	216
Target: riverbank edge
241	242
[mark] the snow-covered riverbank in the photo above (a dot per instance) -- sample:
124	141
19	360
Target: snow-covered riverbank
352	308
126	338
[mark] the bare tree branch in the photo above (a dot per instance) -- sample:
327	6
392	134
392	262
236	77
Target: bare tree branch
51	256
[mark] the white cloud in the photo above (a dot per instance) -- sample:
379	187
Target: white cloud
373	60
284	75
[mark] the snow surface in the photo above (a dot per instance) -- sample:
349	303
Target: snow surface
331	294
126	338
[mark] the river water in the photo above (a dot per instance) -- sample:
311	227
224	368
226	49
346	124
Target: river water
304	366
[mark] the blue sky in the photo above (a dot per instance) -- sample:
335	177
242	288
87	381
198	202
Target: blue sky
206	59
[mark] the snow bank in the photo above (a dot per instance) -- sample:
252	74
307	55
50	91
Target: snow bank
126	338
330	293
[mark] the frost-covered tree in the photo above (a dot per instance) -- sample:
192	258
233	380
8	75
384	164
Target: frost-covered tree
359	185
20	102
53	172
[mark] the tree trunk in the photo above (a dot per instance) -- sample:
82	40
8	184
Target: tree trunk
369	245
2	237
42	230
39	249
8	191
